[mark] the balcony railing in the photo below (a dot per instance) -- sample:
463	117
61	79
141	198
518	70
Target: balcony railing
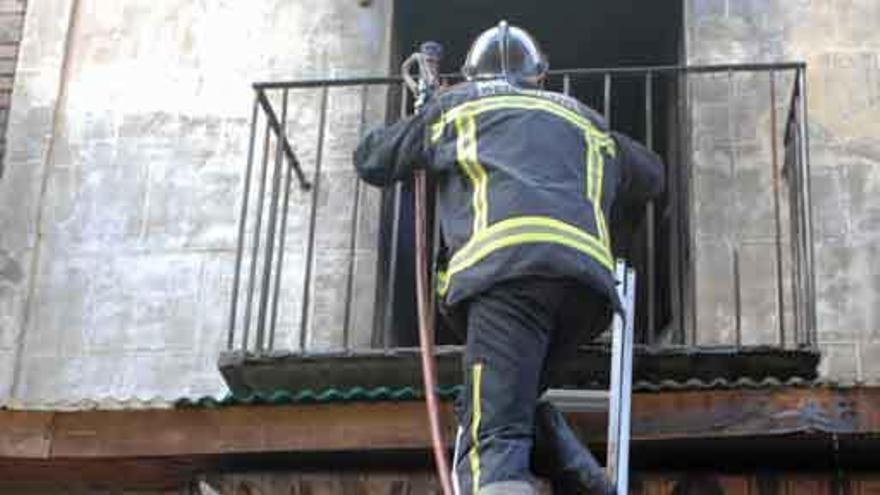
317	271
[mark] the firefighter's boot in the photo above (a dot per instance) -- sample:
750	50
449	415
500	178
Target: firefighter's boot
559	455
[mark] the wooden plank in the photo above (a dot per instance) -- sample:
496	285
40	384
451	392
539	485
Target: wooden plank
733	413
420	481
309	428
807	485
734	485
864	485
166	474
25	434
666	416
64	474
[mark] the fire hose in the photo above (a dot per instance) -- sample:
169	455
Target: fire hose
427	61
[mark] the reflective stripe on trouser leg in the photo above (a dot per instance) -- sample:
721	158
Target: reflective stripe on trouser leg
476	413
467	462
456	483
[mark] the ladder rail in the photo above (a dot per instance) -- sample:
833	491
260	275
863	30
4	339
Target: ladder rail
617	400
614	382
620	390
625	391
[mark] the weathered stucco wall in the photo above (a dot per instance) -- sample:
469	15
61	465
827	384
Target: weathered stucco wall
118	206
11	20
840	43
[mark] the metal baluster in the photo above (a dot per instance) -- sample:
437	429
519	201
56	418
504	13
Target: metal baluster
242	221
313	215
692	285
285	201
355	224
392	267
395	238
649	218
807	213
607	100
780	298
797	177
805	272
796	251
734	189
737	298
566	84
794	218
280	261
678	240
270	227
252	275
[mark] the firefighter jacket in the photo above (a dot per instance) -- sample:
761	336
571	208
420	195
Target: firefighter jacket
525	180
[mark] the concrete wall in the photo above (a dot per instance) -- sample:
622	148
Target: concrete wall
11	20
841	45
118	205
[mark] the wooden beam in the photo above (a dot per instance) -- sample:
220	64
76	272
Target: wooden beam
748	413
241	429
153	443
25	434
67	474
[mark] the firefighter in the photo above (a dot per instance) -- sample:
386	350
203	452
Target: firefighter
526	180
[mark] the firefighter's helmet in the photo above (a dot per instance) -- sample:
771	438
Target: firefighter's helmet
507	52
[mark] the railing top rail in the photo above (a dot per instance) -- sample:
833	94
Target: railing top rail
382	80
756	67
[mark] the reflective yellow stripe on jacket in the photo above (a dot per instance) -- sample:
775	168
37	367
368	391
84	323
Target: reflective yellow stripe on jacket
466	154
490	103
524	230
597	146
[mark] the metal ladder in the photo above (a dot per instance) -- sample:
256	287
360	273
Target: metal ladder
618	398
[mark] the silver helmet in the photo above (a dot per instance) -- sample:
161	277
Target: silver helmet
507	52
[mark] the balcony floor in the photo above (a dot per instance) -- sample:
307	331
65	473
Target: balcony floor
247	373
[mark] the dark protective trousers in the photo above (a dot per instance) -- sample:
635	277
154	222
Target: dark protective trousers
517	332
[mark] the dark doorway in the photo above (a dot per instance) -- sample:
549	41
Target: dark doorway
574	34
